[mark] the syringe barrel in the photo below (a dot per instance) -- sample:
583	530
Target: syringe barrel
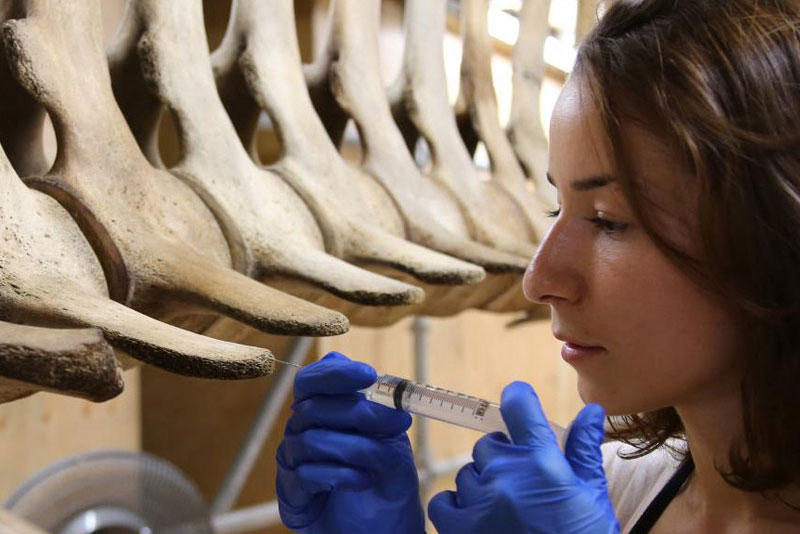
443	405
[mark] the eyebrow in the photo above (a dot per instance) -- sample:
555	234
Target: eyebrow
586	184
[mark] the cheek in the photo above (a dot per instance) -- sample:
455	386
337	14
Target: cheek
668	340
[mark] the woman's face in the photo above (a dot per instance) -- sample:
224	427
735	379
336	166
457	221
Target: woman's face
659	340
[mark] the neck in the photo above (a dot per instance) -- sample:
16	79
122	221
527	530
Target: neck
713	424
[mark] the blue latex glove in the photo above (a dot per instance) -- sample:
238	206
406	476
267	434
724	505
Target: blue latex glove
345	463
530	486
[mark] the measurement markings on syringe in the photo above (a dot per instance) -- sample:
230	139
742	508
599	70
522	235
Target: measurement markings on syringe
455	400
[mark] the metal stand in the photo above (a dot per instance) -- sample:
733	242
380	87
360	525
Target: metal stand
259	430
422	445
264	515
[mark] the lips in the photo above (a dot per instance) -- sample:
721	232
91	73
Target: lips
578	346
574	353
575	343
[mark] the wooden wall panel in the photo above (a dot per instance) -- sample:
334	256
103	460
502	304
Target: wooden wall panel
199	424
45	428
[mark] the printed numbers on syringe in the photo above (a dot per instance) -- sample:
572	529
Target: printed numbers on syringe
456	400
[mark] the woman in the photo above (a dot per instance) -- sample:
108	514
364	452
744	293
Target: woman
673	274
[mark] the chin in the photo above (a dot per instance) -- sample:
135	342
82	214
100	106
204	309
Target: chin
591	395
609	398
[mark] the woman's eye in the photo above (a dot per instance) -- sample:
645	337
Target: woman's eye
607	225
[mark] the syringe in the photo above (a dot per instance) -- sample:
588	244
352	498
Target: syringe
443	405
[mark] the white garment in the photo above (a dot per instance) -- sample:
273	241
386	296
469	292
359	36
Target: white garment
634	483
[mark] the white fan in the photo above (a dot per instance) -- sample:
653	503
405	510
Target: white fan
112	492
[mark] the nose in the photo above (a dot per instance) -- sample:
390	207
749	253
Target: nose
553	276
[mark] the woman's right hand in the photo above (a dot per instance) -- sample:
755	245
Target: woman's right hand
345	463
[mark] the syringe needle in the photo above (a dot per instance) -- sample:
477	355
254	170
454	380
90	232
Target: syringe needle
292	364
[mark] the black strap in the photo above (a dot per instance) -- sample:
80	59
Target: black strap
664	497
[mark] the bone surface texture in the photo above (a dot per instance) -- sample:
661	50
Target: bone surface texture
161	55
160	246
477	108
76	362
346	75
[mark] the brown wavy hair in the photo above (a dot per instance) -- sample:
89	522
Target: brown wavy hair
719	80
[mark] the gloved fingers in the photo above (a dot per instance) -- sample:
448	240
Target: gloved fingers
322	476
347	413
333	375
524	417
493	449
582	448
299	518
443	511
322	445
469	486
450	518
296	485
287	486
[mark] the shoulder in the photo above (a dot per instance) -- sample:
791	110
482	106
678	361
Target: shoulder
633	483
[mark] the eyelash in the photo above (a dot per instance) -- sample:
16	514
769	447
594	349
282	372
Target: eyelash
606	225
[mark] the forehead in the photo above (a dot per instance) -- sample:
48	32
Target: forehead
579	147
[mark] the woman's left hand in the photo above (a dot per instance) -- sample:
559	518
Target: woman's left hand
528	485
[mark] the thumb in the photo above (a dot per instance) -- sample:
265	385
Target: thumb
524	417
335	374
582	448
